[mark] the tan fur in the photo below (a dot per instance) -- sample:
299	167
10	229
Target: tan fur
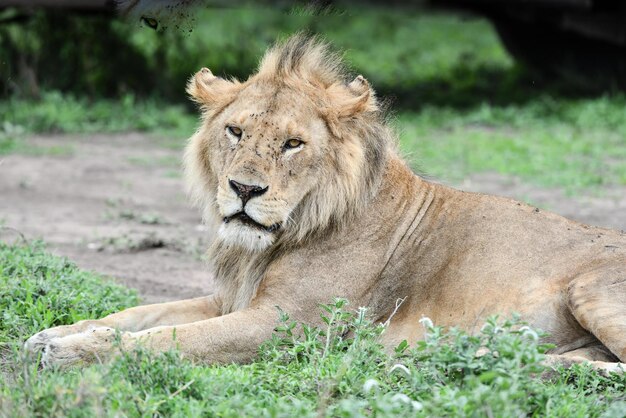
342	215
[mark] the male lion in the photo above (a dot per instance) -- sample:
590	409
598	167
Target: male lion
297	171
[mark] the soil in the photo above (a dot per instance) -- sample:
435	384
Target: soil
115	204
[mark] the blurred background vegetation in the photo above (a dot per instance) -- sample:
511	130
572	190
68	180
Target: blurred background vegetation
412	55
462	104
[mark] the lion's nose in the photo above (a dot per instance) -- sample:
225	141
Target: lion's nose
246	191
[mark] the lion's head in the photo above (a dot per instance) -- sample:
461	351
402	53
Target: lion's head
293	150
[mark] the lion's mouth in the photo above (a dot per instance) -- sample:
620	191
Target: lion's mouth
247	220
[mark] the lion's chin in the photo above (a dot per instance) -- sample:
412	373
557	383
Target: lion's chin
248	237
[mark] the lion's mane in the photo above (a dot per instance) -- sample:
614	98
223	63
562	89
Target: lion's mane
351	173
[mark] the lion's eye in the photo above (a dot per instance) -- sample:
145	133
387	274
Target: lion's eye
151	22
234	131
293	143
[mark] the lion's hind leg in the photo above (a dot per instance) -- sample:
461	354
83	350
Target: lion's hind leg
597	300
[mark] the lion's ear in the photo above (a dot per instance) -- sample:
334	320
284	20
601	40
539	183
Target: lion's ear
208	90
357	97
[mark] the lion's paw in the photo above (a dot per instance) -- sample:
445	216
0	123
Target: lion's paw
91	346
38	342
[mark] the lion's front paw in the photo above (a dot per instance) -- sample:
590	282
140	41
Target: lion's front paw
91	346
38	342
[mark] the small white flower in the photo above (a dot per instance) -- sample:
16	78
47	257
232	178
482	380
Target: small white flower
426	322
369	385
400	367
529	332
361	313
417	406
401	397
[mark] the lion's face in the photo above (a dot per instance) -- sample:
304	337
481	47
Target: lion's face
267	155
292	150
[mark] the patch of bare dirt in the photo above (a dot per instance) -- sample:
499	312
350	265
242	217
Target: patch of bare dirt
116	205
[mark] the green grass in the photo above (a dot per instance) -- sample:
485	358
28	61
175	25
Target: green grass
57	113
301	371
38	290
571	143
425	58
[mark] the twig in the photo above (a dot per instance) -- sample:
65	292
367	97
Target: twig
8	228
399	303
328	334
177	392
183	387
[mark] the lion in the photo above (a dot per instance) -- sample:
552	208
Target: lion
297	173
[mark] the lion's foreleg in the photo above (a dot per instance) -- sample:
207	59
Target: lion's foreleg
135	319
169	313
230	338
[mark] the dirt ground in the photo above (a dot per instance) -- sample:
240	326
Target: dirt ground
115	204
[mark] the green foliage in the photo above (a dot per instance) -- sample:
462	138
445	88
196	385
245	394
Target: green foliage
575	143
57	50
69	114
419	57
38	290
340	369
8	135
423	58
57	113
